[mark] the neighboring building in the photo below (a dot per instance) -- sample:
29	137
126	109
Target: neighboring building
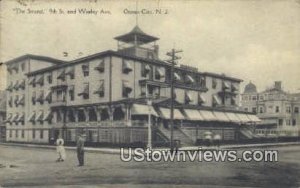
2	115
273	106
106	96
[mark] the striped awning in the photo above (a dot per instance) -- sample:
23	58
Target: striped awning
201	98
193	114
22	84
32	116
176	76
208	115
48	116
9	117
190	79
40	116
253	118
21	117
48	95
139	109
232	116
85	90
15	117
22	100
243	117
100	67
166	113
221	116
188	97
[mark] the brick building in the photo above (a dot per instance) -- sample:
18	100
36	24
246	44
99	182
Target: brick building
106	95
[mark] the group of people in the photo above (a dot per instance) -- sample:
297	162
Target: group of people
80	149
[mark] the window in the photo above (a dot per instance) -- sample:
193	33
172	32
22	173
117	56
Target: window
33	97
17	133
254	109
126	89
71	93
294	122
23	134
85	92
296	110
100	89
126	67
254	97
277	109
288	122
146	69
10	133
261	97
49	78
23	66
288	109
214	83
100	67
33	134
85	70
42	134
261	110
280	122
58	117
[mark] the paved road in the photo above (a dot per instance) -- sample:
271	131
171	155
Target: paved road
36	167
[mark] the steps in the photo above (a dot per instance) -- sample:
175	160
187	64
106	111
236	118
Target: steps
177	135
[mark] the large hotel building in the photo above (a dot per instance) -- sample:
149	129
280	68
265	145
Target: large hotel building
107	96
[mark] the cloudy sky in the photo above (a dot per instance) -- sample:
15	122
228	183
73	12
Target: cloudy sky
250	40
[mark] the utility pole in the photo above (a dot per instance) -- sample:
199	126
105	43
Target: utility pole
173	56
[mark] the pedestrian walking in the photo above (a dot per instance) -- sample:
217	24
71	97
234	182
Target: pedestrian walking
80	149
60	149
217	140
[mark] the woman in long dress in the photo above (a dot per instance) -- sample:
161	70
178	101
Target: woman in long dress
60	150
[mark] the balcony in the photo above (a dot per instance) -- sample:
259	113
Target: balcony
58	103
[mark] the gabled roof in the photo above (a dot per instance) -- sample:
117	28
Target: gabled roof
141	36
37	57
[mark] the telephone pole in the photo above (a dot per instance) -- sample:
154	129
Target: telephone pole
173	56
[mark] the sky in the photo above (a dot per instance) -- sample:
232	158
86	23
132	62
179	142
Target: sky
257	41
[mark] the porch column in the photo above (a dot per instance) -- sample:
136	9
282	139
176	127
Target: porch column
86	114
75	114
98	113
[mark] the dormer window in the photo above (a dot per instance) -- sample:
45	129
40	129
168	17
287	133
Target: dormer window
126	67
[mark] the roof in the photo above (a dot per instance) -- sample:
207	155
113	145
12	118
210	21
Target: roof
99	55
139	34
250	88
222	76
37	57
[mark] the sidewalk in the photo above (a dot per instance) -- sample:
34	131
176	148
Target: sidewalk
117	150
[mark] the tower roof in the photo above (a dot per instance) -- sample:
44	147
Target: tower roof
250	88
141	36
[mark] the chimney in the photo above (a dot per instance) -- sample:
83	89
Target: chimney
278	85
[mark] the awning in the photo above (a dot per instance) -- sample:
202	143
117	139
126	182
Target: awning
166	113
21	117
139	109
85	90
32	116
61	74
193	114
15	117
208	115
147	69
160	72
100	67
253	118
39	117
10	87
126	87
243	117
16	85
235	87
189	79
48	95
188	97
21	100
48	116
221	116
40	98
201	99
232	117
22	84
40	80
8	118
31	80
100	89
126	66
226	85
216	100
176	76
70	71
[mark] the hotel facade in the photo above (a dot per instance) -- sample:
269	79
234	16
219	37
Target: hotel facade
107	95
278	110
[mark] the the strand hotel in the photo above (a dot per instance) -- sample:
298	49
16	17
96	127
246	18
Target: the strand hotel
107	95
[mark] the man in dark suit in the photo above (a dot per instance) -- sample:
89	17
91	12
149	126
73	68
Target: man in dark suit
80	149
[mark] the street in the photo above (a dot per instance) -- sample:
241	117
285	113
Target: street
37	167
